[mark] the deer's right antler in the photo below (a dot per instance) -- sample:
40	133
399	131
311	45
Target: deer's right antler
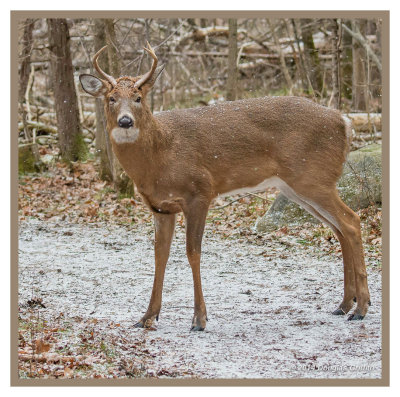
109	78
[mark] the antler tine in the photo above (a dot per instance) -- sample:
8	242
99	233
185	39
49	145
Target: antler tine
109	78
150	73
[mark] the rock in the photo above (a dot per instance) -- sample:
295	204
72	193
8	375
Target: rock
47	159
28	158
359	186
361	182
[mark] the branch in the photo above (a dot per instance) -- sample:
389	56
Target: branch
359	37
234	201
38	126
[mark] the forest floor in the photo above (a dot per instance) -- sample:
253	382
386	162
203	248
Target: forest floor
85	277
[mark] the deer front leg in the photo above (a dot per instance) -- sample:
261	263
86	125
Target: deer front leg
164	231
195	222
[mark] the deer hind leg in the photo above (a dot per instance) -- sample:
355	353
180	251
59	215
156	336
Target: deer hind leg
326	205
164	231
195	222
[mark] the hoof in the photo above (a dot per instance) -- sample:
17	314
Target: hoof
196	328
338	312
355	317
139	325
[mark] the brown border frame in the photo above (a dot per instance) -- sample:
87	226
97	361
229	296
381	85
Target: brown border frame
15	381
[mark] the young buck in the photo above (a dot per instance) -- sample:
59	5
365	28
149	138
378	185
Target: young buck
181	160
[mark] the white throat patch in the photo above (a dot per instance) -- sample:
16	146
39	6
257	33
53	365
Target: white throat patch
125	135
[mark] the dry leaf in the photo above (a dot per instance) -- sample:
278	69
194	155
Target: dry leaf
41	346
68	372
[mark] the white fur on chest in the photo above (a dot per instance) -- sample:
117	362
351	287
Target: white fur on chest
269	182
125	135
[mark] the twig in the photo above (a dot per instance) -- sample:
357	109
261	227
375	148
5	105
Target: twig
154	47
358	36
87	55
28	106
127	33
231	202
167	39
259	197
204	89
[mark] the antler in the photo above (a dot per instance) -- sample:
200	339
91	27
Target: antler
109	78
150	73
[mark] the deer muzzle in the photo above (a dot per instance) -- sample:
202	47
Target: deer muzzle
125	122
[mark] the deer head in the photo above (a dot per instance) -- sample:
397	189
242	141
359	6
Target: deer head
125	101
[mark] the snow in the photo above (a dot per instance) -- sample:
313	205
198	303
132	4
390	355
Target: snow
268	306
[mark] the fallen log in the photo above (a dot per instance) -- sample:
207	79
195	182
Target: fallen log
39	127
366	122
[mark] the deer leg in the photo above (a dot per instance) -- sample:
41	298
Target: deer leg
349	281
164	231
346	226
195	222
351	232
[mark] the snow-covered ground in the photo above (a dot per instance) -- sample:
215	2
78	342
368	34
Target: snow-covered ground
268	306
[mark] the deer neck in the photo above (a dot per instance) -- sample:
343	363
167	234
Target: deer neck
138	153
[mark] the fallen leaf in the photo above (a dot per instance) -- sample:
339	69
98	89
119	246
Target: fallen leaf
68	372
41	346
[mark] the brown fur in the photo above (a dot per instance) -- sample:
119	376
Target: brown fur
182	159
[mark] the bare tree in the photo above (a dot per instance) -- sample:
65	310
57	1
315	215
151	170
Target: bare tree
336	28
121	181
105	169
347	64
359	74
285	69
232	81
311	56
70	136
25	70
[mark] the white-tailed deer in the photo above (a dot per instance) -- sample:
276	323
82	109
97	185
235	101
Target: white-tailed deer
180	160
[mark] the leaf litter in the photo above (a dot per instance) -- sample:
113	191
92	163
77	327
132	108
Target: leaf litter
85	277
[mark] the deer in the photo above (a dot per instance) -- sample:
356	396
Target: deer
181	160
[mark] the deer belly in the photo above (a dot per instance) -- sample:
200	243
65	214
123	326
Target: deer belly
269	182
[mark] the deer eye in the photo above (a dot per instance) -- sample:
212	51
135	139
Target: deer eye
138	99
112	99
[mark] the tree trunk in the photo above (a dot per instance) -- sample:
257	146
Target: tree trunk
285	69
347	65
121	181
111	41
359	74
70	138
336	49
300	74
311	57
305	77
105	170
232	82
25	70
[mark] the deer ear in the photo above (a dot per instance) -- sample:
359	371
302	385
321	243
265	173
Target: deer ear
93	85
149	84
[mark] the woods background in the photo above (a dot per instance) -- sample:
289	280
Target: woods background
335	62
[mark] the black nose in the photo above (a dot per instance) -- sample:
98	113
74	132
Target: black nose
125	122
